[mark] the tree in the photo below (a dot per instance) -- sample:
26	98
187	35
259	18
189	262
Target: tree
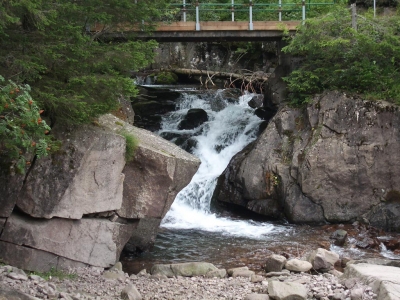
75	73
337	57
23	132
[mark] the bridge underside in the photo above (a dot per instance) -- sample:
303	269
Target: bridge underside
222	31
212	36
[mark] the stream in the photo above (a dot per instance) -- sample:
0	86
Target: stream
191	230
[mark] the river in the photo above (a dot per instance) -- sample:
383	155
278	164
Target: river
191	230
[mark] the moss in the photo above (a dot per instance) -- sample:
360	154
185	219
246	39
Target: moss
166	78
131	145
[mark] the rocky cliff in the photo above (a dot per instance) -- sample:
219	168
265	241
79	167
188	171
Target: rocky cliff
83	204
337	160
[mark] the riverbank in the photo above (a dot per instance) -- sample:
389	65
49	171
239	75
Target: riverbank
97	284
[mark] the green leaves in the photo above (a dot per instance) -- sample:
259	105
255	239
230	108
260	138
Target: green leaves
338	57
23	132
76	74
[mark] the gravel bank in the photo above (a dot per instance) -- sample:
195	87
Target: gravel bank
90	283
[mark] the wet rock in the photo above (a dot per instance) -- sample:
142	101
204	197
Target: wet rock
339	237
256	101
231	95
286	291
275	263
297	265
194	118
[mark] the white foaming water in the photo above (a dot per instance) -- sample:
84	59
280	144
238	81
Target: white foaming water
230	127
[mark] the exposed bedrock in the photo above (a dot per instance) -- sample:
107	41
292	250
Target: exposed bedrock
337	160
81	205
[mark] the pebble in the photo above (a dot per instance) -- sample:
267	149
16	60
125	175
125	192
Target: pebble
90	284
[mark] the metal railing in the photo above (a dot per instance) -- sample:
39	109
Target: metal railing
247	7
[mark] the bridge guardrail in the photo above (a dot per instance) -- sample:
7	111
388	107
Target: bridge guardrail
198	10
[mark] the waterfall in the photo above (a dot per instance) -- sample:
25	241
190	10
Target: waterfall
231	126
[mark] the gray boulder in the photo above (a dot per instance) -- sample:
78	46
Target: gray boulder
158	172
335	161
96	242
256	101
275	263
297	265
183	269
287	291
84	177
339	237
323	260
384	280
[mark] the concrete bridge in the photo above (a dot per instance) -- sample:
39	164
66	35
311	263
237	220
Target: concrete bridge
263	21
212	31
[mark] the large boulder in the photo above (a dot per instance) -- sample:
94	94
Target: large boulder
384	280
96	242
336	161
84	177
74	208
157	173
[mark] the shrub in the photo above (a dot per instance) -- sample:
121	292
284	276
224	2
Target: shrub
23	132
338	57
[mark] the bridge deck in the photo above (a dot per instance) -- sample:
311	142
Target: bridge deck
214	31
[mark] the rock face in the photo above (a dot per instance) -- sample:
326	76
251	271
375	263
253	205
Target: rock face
158	172
337	160
75	208
86	177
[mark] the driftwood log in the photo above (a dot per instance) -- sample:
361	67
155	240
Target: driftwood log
249	80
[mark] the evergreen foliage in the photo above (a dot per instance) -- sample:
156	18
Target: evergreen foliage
337	57
76	57
67	51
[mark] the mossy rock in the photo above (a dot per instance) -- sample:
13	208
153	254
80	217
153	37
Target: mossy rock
166	78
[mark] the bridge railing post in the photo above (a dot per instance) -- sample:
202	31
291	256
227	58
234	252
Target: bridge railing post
184	10
303	3
280	10
233	10
250	15
197	17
